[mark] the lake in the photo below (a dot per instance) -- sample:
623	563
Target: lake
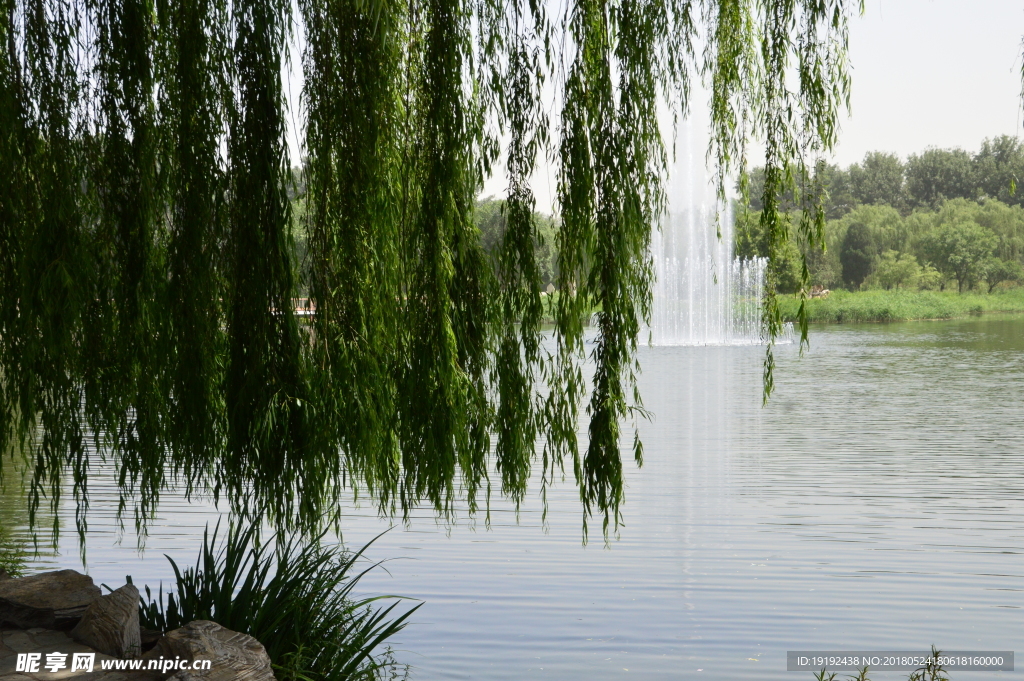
877	502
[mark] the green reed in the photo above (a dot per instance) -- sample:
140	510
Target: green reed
295	598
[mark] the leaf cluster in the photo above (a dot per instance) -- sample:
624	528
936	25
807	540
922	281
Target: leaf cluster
148	269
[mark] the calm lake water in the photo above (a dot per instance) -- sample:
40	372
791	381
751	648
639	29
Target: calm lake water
876	503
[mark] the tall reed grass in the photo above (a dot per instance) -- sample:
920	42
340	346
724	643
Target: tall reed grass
295	597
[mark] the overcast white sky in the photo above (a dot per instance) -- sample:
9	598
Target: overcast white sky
943	73
939	73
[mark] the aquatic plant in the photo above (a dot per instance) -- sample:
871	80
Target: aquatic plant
294	597
931	670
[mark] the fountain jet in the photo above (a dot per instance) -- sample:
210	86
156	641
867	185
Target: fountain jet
702	294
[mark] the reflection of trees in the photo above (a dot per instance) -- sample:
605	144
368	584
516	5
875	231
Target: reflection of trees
17	543
13	513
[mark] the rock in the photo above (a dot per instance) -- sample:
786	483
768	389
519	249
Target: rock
44	642
4	575
149	637
111	624
51	600
233	656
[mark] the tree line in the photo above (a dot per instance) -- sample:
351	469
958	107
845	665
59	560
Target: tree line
940	219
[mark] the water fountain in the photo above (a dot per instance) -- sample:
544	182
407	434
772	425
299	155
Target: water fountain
702	294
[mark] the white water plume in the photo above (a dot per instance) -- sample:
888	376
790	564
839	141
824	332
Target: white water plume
702	294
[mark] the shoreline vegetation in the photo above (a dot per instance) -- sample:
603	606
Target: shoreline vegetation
880	306
849	307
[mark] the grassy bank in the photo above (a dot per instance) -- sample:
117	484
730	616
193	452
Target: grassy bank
898	306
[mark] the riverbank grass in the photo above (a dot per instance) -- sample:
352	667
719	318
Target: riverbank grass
845	307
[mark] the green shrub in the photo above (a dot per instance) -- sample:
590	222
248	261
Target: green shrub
295	599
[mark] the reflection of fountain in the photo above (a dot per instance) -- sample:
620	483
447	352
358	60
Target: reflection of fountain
702	295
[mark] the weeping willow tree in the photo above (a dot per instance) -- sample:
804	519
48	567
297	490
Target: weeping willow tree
146	257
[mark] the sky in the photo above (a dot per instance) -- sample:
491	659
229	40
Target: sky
925	73
943	73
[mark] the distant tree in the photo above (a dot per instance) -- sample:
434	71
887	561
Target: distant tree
489	217
858	255
915	227
939	174
749	240
755	190
1000	169
867	232
888	227
836	182
490	222
930	279
824	267
957	210
896	270
996	270
1008	224
752	242
755	193
960	250
879	179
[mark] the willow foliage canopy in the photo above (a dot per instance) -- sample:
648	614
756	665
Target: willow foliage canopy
146	262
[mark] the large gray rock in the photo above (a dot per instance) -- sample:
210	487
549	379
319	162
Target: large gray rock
111	624
50	600
233	656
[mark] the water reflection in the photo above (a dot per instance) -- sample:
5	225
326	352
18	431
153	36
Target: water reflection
877	502
18	545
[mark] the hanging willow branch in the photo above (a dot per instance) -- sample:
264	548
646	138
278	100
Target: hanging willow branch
147	262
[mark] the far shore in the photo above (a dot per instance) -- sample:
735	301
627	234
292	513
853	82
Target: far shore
845	307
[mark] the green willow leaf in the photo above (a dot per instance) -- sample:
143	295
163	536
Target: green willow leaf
154	238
